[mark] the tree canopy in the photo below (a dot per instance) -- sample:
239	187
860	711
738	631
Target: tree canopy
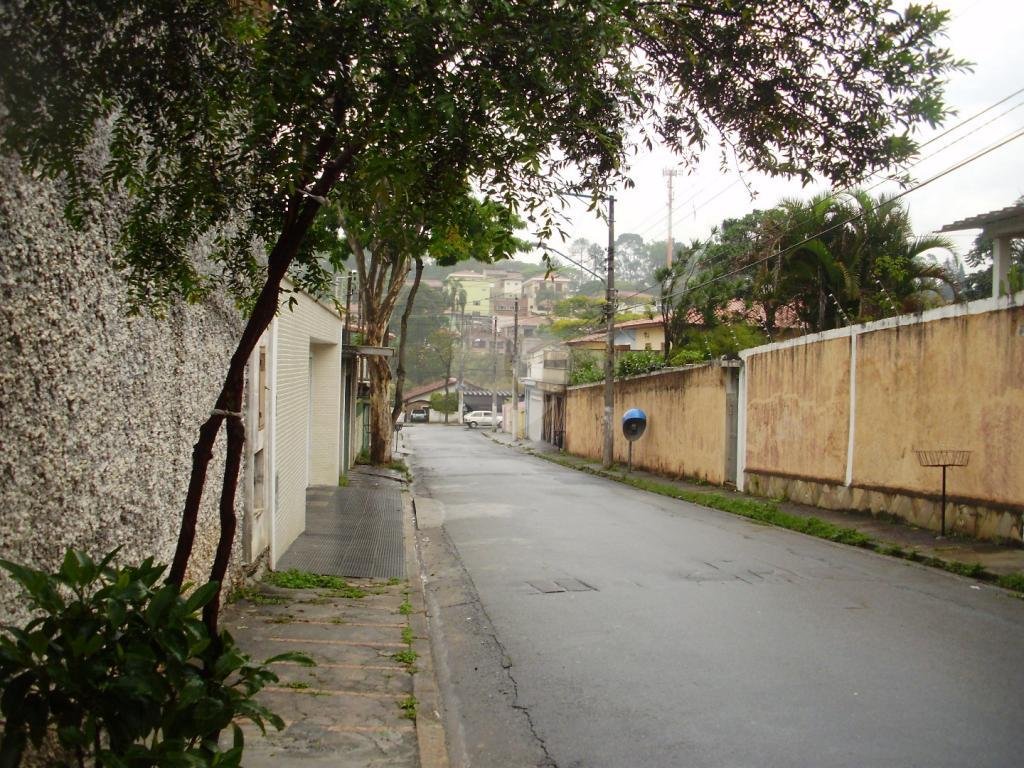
228	121
825	262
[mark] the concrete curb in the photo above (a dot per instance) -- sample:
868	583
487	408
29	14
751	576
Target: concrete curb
430	731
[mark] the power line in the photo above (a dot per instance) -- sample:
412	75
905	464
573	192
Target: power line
976	156
956	166
915	163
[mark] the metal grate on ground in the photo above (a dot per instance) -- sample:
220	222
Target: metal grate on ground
353	532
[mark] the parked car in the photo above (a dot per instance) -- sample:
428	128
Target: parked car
419	414
475	419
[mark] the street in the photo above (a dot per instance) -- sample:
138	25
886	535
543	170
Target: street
586	623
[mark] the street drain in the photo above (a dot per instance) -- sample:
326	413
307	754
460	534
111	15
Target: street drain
729	571
546	587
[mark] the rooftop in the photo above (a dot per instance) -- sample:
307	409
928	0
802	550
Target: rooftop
1012	216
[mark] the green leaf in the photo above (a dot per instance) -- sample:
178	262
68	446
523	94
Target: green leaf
161	603
71	736
35	711
39	585
229	661
211	715
71	569
201	596
13	698
232	758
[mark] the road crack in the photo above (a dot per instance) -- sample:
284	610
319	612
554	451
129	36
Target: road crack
507	665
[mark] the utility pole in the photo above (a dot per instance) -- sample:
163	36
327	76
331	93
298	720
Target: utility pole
494	373
515	372
609	355
346	333
670	174
462	365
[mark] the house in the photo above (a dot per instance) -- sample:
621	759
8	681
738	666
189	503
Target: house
478	287
306	418
544	392
1000	227
482	287
540	293
472	397
629	336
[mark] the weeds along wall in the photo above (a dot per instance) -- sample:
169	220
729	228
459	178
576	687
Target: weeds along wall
687	431
98	411
833	420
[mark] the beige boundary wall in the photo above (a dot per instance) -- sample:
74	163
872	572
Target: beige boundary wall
833	419
687	432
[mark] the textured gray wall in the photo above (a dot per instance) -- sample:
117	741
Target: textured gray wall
98	411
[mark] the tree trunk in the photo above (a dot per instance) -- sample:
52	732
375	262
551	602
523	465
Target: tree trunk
380	281
770	309
228	405
447	379
228	518
380	416
229	401
406	313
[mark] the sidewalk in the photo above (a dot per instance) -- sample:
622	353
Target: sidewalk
955	553
371	699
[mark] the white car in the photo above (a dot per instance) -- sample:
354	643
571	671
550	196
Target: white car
475	419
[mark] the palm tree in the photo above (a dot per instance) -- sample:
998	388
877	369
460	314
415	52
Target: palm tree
855	258
813	271
893	274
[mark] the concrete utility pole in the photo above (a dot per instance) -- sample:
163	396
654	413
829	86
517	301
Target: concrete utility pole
346	334
494	374
670	174
609	355
515	372
462	365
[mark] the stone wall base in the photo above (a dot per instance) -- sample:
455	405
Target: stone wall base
966	518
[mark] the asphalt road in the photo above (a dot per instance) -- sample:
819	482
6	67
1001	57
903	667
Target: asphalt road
689	637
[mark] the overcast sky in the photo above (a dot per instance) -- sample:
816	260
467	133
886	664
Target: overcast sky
990	33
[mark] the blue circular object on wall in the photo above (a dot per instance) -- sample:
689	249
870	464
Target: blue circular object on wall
634	422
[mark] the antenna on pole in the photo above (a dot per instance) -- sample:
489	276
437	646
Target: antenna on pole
670	174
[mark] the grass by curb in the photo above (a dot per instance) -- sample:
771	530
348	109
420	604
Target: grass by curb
408	706
768	513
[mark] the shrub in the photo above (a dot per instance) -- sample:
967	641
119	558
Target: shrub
118	668
584	368
725	339
639	362
444	404
1012	581
687	357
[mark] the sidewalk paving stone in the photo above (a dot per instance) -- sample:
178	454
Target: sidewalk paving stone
346	710
360	706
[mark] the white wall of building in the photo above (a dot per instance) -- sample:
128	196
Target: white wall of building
306	390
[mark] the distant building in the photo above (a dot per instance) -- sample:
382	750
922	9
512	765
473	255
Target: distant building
472	396
484	289
629	336
544	392
541	293
478	287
